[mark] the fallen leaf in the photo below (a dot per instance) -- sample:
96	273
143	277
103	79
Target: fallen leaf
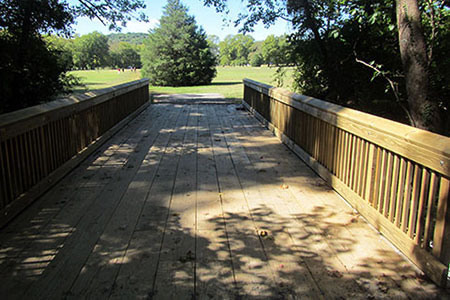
334	273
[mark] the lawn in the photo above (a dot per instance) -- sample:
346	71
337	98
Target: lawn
228	81
99	79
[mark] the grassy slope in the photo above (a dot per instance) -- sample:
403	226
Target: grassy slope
228	81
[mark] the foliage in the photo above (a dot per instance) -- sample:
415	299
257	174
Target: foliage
235	50
256	59
348	52
90	51
275	50
125	55
213	43
63	47
133	38
29	71
177	52
33	68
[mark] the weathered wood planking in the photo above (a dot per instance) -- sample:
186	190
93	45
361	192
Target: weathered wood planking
40	144
381	167
175	206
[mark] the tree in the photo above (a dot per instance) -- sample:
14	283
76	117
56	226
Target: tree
413	52
381	56
63	47
90	51
235	50
275	50
125	55
177	52
213	42
30	70
256	59
133	38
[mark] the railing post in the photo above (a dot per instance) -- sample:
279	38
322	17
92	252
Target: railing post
441	239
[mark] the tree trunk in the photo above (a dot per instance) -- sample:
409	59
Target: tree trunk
413	52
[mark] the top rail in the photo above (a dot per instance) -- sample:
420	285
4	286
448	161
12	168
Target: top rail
395	175
427	148
40	144
20	121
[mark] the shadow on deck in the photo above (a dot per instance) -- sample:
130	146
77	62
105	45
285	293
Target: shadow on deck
198	201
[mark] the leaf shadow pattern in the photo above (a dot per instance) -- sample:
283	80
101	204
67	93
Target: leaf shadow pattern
226	248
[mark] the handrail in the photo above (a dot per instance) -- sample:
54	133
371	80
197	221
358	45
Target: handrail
395	175
40	144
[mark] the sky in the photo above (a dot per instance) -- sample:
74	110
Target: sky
211	21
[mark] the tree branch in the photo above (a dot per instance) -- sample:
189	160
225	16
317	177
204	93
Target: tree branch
92	9
392	85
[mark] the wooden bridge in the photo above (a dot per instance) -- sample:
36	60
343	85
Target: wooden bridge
106	196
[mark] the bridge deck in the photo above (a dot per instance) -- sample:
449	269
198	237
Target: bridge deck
198	201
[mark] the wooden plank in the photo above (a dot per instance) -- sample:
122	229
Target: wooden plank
424	186
407	197
429	149
430	209
294	175
339	163
32	194
175	277
380	167
32	219
79	244
213	266
387	184
400	192
283	244
363	175
261	219
362	169
428	263
414	202
97	277
370	177
23	120
352	170
53	233
394	188
142	256
441	237
356	164
252	273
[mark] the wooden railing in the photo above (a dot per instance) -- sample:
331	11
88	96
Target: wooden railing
40	144
395	175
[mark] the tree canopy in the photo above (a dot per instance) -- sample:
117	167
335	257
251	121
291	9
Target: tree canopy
235	50
383	56
90	51
177	52
32	72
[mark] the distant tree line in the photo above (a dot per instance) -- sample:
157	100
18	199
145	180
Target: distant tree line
94	50
242	50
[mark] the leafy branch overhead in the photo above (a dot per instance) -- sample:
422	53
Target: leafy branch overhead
406	43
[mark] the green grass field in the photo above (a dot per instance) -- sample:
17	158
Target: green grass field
99	79
228	81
